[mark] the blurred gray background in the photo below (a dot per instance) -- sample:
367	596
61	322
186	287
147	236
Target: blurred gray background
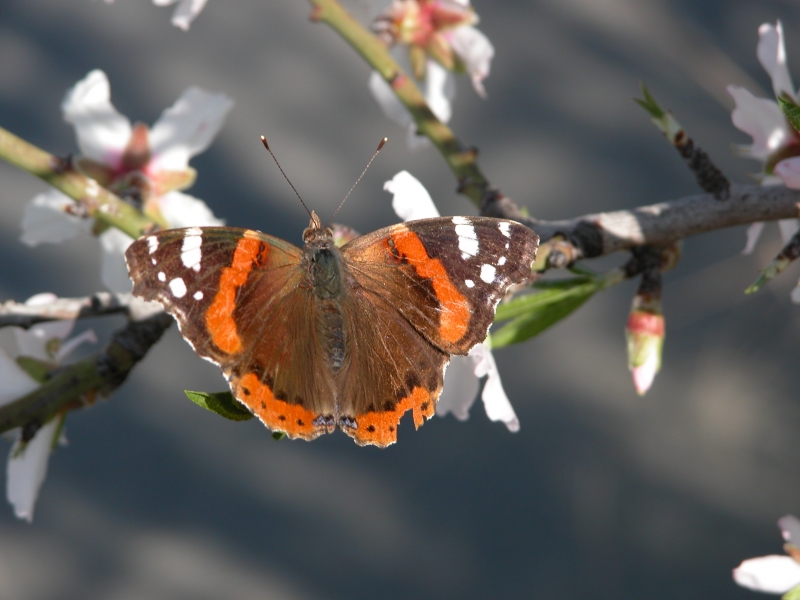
601	494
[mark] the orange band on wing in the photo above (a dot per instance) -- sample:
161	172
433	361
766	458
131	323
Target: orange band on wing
276	414
454	318
380	428
219	316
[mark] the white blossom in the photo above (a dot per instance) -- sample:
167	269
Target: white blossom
118	152
775	142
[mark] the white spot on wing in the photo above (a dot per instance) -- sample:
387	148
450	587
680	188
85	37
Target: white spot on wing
177	287
467	238
469	283
487	273
161	276
154	261
152	244
501	261
198	295
190	251
505	228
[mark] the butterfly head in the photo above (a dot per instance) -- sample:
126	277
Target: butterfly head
316	234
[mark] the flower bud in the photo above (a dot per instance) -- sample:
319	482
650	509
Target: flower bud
645	336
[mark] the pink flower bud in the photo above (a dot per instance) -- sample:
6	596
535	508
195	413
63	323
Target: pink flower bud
645	336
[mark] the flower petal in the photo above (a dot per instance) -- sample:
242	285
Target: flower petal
185	12
771	54
102	132
460	389
34	341
790	529
14	381
495	401
113	270
411	200
788	228
183	210
46	220
760	118
187	128
772	574
753	233
388	102
27	469
475	49
645	374
88	336
789	172
440	90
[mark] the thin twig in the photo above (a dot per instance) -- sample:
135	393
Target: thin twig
102	303
708	175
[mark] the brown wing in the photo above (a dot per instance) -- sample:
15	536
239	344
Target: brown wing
237	297
445	276
418	292
390	369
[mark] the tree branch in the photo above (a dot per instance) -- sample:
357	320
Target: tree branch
663	223
104	372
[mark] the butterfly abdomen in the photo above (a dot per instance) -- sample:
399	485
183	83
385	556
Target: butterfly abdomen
326	279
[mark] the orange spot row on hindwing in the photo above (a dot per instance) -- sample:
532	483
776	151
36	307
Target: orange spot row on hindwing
219	316
276	414
380	428
455	314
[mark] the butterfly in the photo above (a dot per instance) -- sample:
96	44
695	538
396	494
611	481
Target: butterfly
321	337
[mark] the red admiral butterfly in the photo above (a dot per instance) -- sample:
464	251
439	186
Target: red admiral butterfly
323	337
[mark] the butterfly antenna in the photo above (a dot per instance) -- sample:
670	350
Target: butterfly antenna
381	145
266	145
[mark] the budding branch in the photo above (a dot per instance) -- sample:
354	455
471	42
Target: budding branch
660	224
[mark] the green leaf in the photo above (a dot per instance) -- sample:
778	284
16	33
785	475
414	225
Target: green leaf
278	435
649	103
534	313
792	594
552	293
222	403
561	284
790	109
771	271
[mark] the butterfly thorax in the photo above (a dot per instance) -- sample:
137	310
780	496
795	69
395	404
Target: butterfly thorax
324	278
